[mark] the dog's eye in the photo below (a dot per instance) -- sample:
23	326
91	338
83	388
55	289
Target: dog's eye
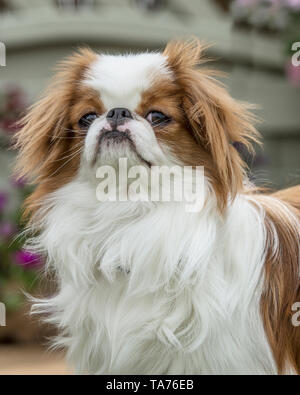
157	118
87	119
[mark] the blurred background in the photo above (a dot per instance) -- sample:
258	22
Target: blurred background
252	43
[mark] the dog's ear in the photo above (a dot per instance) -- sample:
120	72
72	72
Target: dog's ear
43	141
41	128
215	118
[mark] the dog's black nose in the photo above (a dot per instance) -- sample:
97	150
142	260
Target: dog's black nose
118	115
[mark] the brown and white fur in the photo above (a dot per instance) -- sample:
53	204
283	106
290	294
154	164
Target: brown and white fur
148	288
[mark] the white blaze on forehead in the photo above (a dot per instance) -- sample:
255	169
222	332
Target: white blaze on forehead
121	79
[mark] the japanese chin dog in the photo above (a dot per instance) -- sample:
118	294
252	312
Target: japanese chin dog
149	287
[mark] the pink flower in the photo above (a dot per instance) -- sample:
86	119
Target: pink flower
293	4
9	126
27	259
18	182
293	73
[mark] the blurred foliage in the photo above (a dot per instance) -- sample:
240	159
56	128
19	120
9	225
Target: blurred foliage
12	105
275	17
265	15
17	266
15	273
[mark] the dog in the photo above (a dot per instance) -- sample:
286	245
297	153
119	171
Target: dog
149	287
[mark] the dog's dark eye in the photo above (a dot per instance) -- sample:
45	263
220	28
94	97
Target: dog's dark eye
157	118
87	119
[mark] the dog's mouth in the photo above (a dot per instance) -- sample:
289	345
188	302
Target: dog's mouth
116	135
118	138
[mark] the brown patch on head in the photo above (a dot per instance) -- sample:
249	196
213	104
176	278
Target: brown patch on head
50	140
281	277
207	119
165	95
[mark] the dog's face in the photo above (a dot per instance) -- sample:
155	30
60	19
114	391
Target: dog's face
136	111
152	108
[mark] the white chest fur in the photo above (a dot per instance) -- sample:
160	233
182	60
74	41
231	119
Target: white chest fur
153	289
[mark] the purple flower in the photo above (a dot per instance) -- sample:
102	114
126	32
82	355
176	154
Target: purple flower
7	229
9	126
27	259
18	182
3	200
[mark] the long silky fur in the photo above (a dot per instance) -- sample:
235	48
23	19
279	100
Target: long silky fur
139	294
148	288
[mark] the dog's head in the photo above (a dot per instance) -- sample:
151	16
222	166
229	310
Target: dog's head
152	108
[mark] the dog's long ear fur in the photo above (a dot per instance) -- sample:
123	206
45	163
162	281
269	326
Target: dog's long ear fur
44	140
216	119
